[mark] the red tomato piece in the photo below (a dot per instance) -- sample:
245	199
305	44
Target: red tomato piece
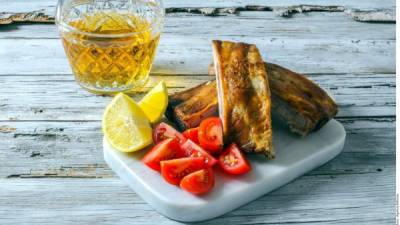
233	161
163	131
211	134
191	149
199	182
166	149
192	134
175	169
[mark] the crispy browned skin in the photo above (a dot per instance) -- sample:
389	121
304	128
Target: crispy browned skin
303	105
300	102
287	100
188	108
244	97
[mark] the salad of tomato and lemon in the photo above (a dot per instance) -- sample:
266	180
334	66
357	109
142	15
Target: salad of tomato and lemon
186	159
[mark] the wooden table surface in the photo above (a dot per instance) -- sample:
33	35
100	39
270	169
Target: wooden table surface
51	163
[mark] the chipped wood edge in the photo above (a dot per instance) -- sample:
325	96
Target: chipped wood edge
31	17
377	15
381	16
291	10
7	129
87	171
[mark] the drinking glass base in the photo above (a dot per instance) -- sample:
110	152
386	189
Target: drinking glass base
137	87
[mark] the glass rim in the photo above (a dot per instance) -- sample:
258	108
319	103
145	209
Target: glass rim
70	28
61	24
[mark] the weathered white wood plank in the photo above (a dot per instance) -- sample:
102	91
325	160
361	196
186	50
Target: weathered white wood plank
323	199
367	4
255	24
378	15
58	97
179	55
74	149
342	191
49	5
55	133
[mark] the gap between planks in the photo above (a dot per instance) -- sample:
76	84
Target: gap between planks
160	74
391	118
375	15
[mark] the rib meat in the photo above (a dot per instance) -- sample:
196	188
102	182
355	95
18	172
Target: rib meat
302	104
188	108
243	96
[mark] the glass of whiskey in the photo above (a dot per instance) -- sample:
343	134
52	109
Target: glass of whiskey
110	44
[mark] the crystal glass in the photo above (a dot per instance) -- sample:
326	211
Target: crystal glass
110	44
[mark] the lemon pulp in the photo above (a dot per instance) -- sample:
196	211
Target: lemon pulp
125	125
155	102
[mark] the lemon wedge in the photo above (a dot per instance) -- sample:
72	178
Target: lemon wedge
125	125
155	102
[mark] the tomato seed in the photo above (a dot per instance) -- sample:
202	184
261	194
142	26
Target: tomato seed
230	160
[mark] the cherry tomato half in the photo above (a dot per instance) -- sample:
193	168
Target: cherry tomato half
163	131
192	134
166	149
211	134
191	149
175	169
199	182
233	161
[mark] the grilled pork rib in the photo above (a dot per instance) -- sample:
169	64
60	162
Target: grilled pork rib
188	108
244	98
300	102
301	118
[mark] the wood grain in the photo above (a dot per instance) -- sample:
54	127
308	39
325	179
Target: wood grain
74	149
175	56
22	5
316	26
65	100
382	14
108	201
51	164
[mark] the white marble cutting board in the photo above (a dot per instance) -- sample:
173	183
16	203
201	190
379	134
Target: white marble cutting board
295	156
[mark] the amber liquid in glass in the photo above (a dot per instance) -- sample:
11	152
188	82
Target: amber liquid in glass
111	63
